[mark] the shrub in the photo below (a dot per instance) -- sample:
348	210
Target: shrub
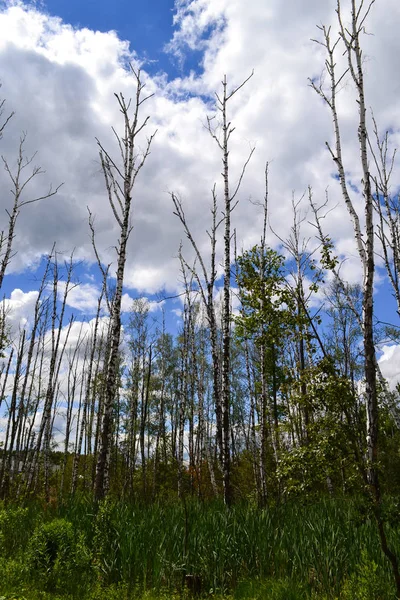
57	557
369	581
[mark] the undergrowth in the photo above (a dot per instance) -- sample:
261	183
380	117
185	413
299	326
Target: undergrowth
326	550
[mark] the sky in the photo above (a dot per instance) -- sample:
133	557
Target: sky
61	63
146	25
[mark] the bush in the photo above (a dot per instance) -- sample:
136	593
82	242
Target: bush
57	557
369	581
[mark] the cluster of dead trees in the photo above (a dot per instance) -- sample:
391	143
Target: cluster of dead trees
265	401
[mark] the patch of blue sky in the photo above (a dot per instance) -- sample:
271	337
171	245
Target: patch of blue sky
385	303
148	26
353	186
26	281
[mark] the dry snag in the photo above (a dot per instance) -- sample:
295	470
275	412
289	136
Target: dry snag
119	177
349	39
221	134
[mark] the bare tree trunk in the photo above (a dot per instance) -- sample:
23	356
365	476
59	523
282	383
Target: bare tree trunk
45	430
74	380
83	425
161	433
5	375
226	312
29	460
350	37
80	419
182	408
119	182
206	285
144	414
38	312
229	198
19	186
11	422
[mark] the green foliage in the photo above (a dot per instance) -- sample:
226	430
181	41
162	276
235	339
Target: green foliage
130	551
267	305
389	453
57	555
329	262
106	544
280	589
13	574
367	582
14	528
330	435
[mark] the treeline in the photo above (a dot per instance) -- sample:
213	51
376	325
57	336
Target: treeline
297	415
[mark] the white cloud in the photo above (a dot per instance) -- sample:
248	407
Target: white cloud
19	309
77	333
83	297
128	303
390	364
69	76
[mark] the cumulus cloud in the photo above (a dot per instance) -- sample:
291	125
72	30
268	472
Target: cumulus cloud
19	309
69	76
128	304
390	364
83	297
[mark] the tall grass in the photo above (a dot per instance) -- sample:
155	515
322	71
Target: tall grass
156	547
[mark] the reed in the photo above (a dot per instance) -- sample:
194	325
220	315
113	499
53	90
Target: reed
311	550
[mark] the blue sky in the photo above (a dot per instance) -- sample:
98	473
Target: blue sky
146	24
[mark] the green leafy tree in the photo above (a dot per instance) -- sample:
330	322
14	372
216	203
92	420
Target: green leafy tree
327	461
266	318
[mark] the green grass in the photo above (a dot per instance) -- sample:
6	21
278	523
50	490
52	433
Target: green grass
325	550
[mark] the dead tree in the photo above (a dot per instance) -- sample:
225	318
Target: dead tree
221	133
83	425
56	351
75	381
387	206
205	280
25	394
120	177
184	351
12	420
20	182
4	124
349	39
